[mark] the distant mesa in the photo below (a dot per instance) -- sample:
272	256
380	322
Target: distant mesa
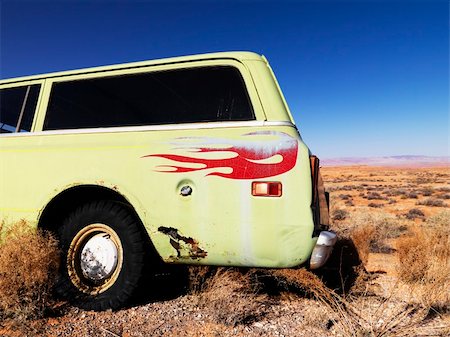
400	161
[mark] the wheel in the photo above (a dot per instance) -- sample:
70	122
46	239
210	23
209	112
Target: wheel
102	248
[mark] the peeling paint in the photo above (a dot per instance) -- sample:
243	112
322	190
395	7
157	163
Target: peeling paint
186	247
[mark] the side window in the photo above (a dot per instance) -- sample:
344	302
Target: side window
17	107
206	94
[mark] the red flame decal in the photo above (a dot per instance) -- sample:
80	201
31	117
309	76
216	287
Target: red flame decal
243	163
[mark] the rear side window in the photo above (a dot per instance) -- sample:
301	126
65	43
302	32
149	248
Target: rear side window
17	107
207	94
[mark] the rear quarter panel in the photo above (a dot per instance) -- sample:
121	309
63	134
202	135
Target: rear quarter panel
225	221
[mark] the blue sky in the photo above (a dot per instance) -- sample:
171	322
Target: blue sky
362	78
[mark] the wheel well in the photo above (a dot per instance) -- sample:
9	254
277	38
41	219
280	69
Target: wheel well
68	200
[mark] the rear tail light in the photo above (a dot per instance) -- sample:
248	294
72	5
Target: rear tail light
266	189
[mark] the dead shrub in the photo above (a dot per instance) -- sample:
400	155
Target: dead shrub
29	262
412	195
362	237
432	202
422	180
414	213
375	196
349	203
375	205
370	232
304	281
198	277
395	192
424	261
230	296
339	214
412	252
426	192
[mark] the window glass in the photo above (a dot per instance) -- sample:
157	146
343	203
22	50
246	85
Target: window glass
11	102
178	96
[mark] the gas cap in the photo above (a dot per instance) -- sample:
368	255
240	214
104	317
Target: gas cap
186	190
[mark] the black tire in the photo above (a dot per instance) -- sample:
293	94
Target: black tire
102	247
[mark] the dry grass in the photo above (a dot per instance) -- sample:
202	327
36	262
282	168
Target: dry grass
424	261
230	295
198	277
28	265
303	281
359	317
362	237
371	232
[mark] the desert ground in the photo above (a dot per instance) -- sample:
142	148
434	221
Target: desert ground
389	276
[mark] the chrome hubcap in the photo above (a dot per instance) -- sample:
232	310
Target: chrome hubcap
98	257
94	259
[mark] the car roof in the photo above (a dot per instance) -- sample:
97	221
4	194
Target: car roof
237	55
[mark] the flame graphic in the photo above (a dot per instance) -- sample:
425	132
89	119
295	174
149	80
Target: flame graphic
250	159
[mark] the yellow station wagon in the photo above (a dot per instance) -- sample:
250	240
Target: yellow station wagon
196	158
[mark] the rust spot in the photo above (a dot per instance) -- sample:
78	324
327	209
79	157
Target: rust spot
179	242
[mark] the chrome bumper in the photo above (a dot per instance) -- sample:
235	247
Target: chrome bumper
322	250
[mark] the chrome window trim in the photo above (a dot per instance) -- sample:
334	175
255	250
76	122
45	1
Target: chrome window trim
166	127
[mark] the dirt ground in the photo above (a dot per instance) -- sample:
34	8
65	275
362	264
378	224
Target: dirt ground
363	294
394	190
